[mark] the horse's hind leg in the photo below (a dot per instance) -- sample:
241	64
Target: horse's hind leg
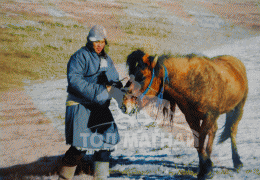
232	120
237	115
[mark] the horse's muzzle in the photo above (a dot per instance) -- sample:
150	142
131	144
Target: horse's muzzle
129	111
123	108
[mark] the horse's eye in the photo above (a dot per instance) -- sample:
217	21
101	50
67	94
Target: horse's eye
139	77
134	97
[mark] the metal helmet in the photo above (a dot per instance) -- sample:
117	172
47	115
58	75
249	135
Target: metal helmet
97	33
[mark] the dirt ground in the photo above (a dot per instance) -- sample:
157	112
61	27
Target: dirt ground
28	139
30	146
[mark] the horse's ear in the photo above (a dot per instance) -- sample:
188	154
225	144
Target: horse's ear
154	61
146	59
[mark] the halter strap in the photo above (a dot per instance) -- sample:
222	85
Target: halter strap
160	96
149	86
164	79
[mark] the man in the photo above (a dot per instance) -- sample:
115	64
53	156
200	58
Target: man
90	74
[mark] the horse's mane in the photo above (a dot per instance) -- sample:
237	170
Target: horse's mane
188	56
136	58
132	60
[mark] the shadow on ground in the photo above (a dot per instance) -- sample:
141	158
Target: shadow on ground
125	161
186	170
45	166
50	166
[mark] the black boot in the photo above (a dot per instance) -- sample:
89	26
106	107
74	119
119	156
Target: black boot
102	155
69	163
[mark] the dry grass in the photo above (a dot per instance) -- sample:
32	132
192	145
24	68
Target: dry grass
40	49
255	171
186	173
15	64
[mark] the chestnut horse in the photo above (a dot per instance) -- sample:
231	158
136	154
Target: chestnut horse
203	88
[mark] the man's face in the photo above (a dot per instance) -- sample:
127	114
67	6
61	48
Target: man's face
99	46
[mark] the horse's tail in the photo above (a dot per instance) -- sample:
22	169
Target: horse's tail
232	119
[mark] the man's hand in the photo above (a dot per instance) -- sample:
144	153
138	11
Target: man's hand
108	88
118	84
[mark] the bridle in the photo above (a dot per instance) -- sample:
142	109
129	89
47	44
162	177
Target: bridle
160	95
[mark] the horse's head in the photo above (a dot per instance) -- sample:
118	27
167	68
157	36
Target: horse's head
143	82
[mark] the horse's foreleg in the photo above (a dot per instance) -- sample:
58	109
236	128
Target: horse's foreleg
205	163
211	135
208	127
199	134
194	124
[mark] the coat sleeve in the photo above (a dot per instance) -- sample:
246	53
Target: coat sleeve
90	91
112	74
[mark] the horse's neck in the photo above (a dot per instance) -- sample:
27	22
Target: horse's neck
178	69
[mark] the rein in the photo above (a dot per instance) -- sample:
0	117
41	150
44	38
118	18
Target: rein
160	96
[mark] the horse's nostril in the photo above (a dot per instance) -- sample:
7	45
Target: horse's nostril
123	108
132	112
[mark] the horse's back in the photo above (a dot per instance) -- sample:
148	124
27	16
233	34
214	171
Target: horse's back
218	84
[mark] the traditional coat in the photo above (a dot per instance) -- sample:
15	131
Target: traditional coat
89	122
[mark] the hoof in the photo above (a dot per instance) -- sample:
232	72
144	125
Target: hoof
206	176
237	162
206	170
202	177
238	167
